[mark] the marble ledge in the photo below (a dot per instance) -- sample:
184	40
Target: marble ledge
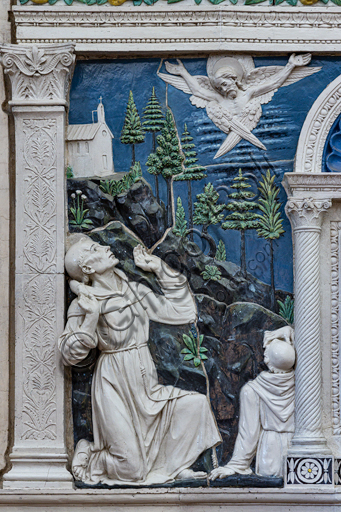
181	496
316	185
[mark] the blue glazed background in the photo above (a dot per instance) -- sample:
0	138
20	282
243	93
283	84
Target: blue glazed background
278	129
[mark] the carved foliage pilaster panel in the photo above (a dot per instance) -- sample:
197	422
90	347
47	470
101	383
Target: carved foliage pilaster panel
39	208
39	361
37	227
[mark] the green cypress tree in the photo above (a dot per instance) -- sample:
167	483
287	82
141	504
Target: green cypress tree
207	211
192	171
132	132
270	222
153	121
242	216
167	159
180	228
221	252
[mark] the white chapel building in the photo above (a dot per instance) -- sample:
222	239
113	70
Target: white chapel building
89	147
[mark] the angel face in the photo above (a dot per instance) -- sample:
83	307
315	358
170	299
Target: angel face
225	83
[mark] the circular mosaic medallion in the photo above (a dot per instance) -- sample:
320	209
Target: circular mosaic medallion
309	471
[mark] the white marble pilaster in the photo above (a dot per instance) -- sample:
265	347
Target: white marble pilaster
305	215
39	79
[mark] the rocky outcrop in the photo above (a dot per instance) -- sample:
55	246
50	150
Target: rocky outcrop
232	311
141	212
136	208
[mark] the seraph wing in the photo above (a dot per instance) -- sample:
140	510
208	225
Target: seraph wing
179	83
205	83
198	102
176	81
261	74
300	73
249	118
229	143
267	97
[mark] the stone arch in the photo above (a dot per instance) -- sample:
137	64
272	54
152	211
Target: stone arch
314	133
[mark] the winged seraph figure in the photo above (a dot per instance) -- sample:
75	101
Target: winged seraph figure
235	90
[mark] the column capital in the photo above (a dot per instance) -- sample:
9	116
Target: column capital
39	75
305	213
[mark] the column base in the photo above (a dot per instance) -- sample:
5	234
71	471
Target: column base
45	471
306	446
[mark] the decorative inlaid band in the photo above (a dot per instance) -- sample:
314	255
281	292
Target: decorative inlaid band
335	230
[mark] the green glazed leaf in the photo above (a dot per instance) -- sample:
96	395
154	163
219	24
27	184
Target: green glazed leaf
251	2
197	361
188	357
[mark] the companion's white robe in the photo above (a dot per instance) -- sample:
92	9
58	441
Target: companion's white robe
143	432
266	424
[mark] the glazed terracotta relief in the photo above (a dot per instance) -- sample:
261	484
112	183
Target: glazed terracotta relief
180	264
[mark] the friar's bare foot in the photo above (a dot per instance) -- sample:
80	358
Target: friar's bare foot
81	460
189	474
221	472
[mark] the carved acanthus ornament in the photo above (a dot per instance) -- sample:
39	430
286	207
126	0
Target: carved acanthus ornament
38	74
306	213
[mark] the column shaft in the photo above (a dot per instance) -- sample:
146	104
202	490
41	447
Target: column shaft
306	218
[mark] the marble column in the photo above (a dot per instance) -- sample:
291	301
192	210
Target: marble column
39	79
306	219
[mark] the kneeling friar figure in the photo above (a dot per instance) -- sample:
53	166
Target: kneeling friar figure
144	433
266	421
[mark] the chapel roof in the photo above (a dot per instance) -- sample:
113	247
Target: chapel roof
82	131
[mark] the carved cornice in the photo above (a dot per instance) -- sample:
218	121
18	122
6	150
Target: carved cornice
38	75
305	214
99	28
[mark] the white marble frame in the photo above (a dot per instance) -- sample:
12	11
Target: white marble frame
311	193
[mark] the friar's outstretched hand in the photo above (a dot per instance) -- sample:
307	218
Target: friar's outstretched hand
300	60
147	262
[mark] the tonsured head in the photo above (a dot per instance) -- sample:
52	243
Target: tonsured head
86	258
279	356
